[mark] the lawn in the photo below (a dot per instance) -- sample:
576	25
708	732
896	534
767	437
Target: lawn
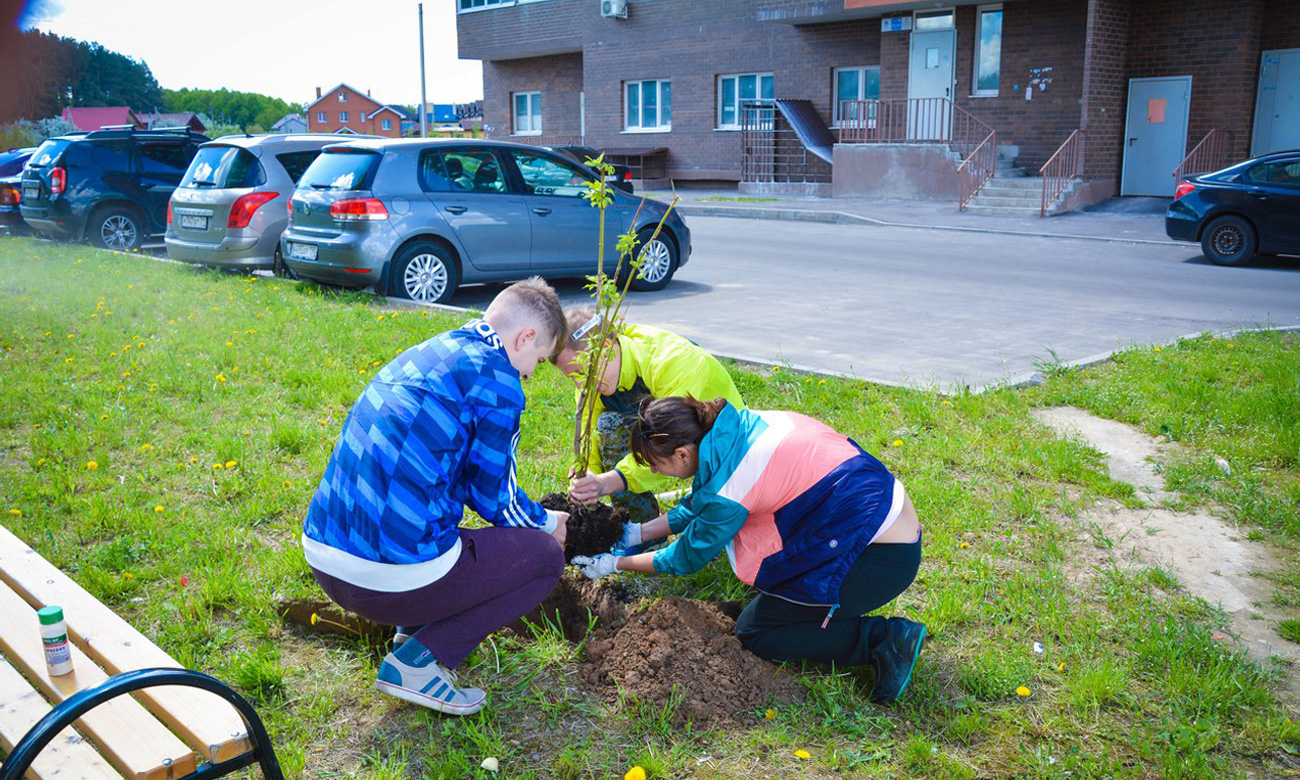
162	430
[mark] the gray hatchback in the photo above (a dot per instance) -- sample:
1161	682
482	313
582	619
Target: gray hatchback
419	217
229	209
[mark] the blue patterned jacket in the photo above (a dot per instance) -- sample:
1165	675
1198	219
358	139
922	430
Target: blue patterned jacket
435	430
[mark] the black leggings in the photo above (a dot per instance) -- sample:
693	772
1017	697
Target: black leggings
779	630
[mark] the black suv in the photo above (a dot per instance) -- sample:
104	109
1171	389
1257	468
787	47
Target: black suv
110	186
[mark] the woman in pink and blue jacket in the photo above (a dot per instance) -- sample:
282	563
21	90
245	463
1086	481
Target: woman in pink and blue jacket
817	525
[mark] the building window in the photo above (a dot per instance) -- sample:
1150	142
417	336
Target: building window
387	124
343	97
474	5
988	50
735	91
320	117
648	105
343	116
926	21
855	84
528	113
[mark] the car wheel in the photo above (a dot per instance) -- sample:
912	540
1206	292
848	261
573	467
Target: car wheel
281	268
1229	241
659	261
116	228
424	272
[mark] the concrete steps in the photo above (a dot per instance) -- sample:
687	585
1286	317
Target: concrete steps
1012	192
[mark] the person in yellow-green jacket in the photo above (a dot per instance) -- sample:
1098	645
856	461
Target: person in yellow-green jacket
646	362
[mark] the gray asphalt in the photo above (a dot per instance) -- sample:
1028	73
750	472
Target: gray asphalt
937	309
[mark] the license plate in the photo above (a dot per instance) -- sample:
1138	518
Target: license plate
31	192
302	251
196	223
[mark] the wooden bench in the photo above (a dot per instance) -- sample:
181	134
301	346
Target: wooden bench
82	725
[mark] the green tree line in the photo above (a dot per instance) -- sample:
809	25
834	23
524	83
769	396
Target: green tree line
245	110
50	72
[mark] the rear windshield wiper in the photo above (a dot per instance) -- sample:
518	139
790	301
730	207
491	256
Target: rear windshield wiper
203	183
322	186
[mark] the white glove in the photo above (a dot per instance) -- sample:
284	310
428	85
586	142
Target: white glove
631	538
597	567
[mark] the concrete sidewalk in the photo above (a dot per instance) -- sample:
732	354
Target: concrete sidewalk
1127	220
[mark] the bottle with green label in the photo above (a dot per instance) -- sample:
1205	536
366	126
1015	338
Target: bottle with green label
54	635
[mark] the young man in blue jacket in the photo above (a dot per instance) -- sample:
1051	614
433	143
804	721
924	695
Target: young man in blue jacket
435	430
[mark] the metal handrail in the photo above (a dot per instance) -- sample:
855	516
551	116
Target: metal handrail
1210	154
1060	169
976	170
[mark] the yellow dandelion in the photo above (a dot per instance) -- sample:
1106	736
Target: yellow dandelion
146	447
103	417
1157	349
287	484
194	460
802	755
158	508
315	618
217	466
230	464
770	714
964	545
1060	667
635	773
898	442
16	512
72	335
92	465
230	343
40	461
947	402
221	377
821	381
1023	692
67	360
1231	345
112	354
126	575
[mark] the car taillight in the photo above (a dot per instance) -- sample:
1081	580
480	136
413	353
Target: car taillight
241	213
627	176
358	210
58	181
1184	187
169	212
9	196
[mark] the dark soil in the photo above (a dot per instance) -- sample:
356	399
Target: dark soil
574	600
686	648
591	529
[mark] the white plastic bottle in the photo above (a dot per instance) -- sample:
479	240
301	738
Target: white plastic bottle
54	635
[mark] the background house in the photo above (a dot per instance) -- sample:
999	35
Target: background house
290	123
347	110
95	118
1144	81
181	119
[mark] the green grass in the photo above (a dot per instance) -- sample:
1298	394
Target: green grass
209	404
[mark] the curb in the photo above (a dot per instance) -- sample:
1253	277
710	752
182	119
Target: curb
845	218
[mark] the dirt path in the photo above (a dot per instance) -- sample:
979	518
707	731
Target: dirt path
1207	554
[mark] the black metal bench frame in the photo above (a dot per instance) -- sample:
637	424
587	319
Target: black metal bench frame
65	713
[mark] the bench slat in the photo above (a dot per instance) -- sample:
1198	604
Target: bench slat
203	719
68	757
128	736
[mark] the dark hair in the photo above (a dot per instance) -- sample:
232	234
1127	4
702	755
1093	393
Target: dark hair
664	424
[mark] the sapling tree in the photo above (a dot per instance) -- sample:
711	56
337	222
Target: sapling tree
610	294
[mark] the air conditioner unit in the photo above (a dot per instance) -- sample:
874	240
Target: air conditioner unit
615	9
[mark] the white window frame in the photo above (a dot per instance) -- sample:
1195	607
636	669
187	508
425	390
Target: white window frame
526	128
738	76
862	86
322	117
386	124
975	91
343	97
484	5
660	126
343	117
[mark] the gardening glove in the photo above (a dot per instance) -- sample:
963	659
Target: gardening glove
631	538
597	567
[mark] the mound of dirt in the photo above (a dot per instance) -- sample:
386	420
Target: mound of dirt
573	602
591	529
688	648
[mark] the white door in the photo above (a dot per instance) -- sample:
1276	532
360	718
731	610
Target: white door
1277	106
929	75
1155	136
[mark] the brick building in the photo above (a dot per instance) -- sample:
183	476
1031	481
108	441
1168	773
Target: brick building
1143	80
347	110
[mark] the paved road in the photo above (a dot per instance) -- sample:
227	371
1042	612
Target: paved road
938	309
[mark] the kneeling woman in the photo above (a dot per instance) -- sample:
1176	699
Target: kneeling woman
816	524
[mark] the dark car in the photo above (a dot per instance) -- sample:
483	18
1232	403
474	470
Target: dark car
110	186
419	217
622	176
11	193
1243	210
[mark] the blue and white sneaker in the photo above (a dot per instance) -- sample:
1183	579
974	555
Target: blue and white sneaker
421	680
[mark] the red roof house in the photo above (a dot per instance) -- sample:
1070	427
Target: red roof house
95	118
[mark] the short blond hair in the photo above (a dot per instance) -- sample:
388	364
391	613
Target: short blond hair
532	302
580	323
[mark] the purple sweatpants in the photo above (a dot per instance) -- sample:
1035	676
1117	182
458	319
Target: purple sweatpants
502	574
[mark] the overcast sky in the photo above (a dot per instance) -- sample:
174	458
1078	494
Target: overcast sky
282	48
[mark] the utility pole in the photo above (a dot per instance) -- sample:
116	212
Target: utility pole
423	101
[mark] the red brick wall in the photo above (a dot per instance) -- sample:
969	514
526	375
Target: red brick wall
1105	89
1281	25
358	106
558	78
1215	43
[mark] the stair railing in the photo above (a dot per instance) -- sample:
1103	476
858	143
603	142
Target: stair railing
1061	168
1210	154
